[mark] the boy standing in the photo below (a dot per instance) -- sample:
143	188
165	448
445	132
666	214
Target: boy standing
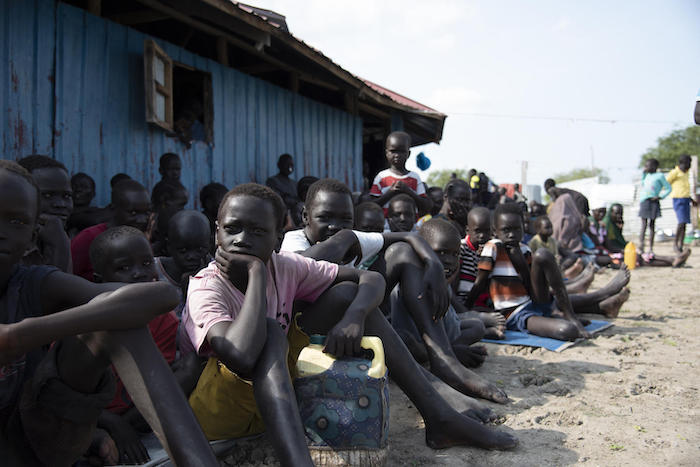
680	192
654	188
397	179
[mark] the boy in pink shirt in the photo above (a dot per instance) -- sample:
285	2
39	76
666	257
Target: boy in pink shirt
249	335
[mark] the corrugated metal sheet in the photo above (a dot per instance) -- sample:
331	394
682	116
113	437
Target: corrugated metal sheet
73	89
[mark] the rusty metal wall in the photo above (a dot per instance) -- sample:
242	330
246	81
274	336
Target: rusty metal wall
72	87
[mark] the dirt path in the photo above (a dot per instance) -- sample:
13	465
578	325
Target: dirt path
628	397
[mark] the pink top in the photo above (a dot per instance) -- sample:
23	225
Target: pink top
212	298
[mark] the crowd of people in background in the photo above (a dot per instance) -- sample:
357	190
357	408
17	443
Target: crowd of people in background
430	270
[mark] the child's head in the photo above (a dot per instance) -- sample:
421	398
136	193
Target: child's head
122	254
210	196
457	199
132	204
398	145
303	186
508	224
120	177
169	199
285	164
436	195
549	183
599	213
19	210
479	226
54	184
369	217
616	213
684	162
170	167
401	214
651	165
443	238
328	209
83	189
188	239
250	221
543	227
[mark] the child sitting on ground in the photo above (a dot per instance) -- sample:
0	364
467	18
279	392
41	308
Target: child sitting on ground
240	313
188	246
397	179
405	260
53	397
520	282
569	262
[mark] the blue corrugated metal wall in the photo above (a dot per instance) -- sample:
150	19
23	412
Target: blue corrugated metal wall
72	87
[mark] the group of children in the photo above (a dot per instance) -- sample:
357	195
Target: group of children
230	295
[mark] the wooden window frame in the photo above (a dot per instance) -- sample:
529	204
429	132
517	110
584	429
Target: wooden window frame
153	88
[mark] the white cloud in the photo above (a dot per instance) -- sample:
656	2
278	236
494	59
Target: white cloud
456	99
562	24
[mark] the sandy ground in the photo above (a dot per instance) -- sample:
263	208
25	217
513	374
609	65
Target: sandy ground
630	396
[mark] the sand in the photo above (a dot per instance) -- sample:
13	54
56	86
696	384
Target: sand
630	396
627	397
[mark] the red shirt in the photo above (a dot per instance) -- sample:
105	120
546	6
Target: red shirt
80	251
163	329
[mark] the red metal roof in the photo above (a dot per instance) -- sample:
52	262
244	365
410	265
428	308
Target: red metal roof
398	98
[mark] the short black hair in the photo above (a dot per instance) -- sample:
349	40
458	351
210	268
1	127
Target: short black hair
400	134
192	217
303	186
261	192
507	208
684	158
538	222
39	161
120	177
329	185
479	211
16	169
101	246
549	183
83	176
167	157
124	186
654	162
437	225
283	157
450	186
212	190
167	190
368	206
433	189
403	197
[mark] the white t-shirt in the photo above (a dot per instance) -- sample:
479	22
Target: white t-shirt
371	243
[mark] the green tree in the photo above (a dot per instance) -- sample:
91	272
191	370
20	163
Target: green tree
441	177
577	174
676	143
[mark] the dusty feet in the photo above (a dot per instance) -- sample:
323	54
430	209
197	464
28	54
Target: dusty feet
610	307
460	402
574	270
471	356
619	280
681	258
582	281
452	372
455	429
495	324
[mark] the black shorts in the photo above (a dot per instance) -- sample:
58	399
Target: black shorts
52	424
649	209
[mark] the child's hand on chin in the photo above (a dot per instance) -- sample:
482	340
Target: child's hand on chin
232	263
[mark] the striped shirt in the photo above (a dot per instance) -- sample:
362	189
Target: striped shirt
386	178
506	287
468	259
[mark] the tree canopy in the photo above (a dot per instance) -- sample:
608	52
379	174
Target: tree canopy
441	177
668	148
577	174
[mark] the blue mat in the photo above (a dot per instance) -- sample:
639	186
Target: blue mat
555	345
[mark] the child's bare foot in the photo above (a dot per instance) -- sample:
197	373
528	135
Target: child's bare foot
465	381
494	333
583	282
461	402
620	280
457	430
574	270
104	448
611	306
493	319
681	258
471	356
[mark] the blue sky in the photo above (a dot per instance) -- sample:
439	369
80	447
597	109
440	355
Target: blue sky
634	62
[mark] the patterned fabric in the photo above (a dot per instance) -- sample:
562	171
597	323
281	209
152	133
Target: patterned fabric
386	178
343	407
468	261
506	287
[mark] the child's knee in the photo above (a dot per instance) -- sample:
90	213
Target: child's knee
543	256
401	252
343	293
566	330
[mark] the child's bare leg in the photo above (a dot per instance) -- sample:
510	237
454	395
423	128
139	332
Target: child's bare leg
276	401
643	233
404	267
615	285
444	427
680	238
555	328
610	307
149	381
